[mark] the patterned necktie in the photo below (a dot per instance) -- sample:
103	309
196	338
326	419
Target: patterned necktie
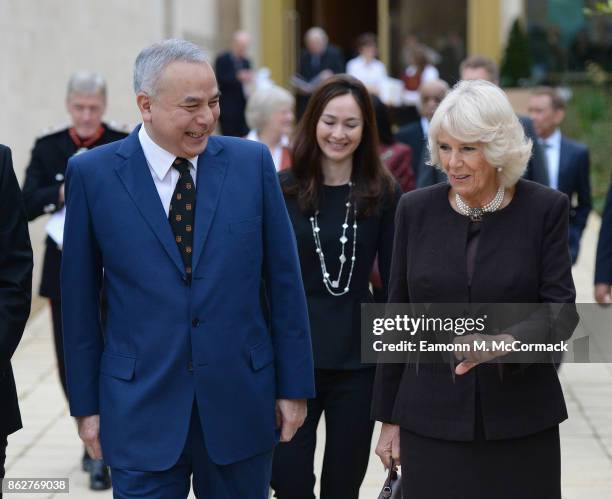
182	212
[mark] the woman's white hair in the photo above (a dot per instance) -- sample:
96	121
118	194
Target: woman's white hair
263	103
479	111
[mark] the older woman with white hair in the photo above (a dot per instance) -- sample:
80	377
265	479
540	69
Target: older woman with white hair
270	116
479	427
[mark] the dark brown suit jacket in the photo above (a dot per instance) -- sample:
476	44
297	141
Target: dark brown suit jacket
522	257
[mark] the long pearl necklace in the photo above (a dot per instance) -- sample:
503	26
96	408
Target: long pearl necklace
333	285
475	214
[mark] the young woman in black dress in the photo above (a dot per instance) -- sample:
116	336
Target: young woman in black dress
341	201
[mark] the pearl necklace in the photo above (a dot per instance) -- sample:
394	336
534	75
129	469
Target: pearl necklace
475	214
333	285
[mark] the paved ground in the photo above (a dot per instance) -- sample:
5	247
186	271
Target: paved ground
48	445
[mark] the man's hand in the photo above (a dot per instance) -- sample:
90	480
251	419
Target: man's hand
290	415
89	431
471	359
603	293
244	75
388	445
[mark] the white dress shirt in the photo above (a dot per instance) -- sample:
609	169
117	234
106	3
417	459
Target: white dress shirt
160	164
424	126
372	74
552	147
277	152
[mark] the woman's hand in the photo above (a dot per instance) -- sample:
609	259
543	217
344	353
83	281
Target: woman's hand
472	358
388	445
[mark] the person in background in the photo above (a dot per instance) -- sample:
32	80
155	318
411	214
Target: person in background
269	114
233	70
366	67
43	193
319	60
15	293
396	156
478	67
603	262
341	202
568	161
419	71
414	134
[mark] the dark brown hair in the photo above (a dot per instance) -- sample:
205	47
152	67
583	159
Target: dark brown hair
366	40
556	100
481	62
371	180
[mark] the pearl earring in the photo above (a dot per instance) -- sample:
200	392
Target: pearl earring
499	169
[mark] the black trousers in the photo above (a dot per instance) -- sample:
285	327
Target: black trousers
58	337
344	397
3	443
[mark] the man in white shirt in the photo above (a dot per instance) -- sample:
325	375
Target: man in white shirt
366	67
568	161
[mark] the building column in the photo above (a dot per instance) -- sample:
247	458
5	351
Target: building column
279	42
484	28
384	33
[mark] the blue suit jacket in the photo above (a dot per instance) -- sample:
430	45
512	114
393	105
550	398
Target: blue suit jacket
168	343
603	264
574	180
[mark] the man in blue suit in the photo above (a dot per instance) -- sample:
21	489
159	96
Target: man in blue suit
567	160
181	228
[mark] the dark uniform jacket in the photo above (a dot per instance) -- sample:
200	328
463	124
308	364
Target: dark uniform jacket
603	265
15	287
44	176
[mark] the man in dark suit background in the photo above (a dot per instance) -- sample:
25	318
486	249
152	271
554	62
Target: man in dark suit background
15	293
233	70
43	193
567	160
603	263
414	134
319	60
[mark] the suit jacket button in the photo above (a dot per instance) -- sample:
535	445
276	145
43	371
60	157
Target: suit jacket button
190	367
195	322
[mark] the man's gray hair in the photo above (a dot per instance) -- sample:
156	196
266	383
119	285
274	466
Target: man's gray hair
152	61
316	32
86	82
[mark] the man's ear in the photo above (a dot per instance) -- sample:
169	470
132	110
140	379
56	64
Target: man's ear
143	100
560	116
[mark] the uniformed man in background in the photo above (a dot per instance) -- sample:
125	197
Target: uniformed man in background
43	193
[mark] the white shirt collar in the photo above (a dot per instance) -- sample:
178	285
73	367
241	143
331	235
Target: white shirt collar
424	126
554	140
158	158
254	136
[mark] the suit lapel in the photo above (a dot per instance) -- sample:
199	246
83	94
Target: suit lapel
212	168
137	179
564	166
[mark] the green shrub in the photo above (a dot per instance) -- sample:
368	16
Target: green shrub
589	120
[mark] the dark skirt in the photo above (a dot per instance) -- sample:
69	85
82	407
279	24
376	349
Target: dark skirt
527	468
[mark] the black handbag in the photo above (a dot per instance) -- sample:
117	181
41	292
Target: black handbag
392	488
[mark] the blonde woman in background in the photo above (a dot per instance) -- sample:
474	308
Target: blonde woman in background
270	116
